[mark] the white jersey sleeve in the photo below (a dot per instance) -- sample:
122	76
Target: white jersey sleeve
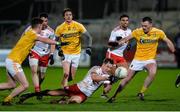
117	32
87	85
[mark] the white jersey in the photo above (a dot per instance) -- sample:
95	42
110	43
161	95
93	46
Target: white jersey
118	32
87	85
42	48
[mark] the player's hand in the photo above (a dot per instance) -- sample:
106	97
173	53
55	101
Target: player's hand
88	51
60	53
51	59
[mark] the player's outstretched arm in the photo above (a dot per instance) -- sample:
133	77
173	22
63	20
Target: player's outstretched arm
124	40
169	44
89	38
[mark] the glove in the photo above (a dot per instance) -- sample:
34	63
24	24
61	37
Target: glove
51	59
62	43
88	51
111	79
60	53
59	44
65	43
128	47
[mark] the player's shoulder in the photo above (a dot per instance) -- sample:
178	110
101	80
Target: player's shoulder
61	25
157	30
116	29
50	29
77	23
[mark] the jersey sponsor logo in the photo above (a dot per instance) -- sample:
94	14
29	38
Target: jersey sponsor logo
145	41
70	35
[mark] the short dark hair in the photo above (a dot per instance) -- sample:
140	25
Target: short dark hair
43	15
147	19
108	60
66	10
35	21
122	16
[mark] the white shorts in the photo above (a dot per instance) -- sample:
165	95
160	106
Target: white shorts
12	67
140	65
74	58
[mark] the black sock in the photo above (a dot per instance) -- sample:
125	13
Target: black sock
118	90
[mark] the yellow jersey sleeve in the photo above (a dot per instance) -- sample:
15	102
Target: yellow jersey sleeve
82	29
58	30
135	33
162	35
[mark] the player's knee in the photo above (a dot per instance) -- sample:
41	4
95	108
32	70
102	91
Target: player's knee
66	75
25	85
12	85
75	100
34	72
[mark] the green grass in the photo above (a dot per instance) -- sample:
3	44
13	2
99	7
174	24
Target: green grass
162	94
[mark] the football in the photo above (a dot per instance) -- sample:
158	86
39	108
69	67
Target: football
121	72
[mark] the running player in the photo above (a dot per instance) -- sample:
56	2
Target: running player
147	38
115	51
17	56
78	93
71	31
41	53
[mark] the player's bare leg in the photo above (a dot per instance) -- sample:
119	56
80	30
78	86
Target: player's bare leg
35	77
66	68
8	85
151	68
23	85
41	76
73	72
124	82
72	99
34	69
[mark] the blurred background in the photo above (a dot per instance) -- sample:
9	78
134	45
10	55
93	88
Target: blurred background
98	16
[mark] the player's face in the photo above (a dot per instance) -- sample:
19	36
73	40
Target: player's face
124	22
106	67
146	26
45	22
68	16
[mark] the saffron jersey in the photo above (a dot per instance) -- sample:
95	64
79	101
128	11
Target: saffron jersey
23	46
147	43
70	32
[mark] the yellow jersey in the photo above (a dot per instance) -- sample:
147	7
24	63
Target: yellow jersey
70	32
23	46
147	43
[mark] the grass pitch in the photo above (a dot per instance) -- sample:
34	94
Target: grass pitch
161	96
